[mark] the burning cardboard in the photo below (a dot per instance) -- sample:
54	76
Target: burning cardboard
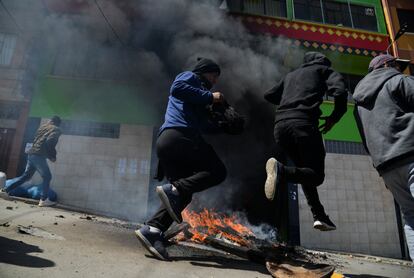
226	233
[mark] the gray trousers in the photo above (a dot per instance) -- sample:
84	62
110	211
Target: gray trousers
400	182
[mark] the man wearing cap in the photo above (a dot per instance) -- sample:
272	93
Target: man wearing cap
43	148
188	162
384	112
298	97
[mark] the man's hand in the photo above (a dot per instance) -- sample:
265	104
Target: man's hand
327	125
52	159
218	97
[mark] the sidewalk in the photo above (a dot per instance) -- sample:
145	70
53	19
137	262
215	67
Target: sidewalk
71	244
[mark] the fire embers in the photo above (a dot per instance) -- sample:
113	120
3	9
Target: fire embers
226	233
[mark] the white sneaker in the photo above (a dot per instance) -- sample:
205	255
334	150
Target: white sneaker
271	180
46	203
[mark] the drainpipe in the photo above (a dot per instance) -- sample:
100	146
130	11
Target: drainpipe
389	23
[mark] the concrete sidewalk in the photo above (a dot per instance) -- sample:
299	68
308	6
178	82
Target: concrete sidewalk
71	244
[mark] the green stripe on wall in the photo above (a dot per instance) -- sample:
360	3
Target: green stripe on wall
89	100
345	129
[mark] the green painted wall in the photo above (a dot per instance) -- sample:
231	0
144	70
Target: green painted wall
341	62
345	129
89	100
373	3
347	63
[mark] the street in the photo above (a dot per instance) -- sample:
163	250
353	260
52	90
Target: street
64	243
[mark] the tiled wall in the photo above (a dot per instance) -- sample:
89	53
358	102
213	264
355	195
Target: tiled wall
109	176
358	202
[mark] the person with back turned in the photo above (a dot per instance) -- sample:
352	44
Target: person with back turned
384	111
43	148
189	163
298	98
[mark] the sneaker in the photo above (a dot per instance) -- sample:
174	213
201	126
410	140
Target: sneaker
323	223
152	241
273	176
46	203
170	197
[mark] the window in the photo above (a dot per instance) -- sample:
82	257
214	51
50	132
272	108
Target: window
7	46
364	17
260	7
91	129
406	16
308	10
337	13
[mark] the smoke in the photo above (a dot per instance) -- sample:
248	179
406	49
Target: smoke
147	43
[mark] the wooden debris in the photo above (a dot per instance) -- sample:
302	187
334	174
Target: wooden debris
299	269
175	230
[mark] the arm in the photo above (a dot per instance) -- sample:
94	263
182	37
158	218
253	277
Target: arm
274	95
51	142
406	93
336	88
185	88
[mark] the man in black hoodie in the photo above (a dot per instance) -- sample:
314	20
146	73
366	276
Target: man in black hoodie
384	112
298	97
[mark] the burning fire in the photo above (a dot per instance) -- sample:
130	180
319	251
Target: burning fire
210	223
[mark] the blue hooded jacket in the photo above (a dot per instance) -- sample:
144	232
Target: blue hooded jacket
186	103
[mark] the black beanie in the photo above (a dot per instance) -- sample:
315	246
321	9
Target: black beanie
205	65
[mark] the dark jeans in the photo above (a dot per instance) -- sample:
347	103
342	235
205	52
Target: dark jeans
190	164
34	163
301	141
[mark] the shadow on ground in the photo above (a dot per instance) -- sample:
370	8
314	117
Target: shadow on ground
17	253
219	262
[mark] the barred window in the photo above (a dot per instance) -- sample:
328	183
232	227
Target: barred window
308	10
337	13
259	7
91	129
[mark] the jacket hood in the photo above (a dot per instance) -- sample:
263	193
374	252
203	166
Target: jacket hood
368	88
312	58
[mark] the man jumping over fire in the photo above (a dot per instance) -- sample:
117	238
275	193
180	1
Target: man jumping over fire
189	163
298	97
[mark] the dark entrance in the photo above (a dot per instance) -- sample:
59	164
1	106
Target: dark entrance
6	141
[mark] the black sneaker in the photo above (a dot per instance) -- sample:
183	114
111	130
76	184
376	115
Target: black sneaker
172	201
273	168
323	223
153	242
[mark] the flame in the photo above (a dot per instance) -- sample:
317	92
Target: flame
210	223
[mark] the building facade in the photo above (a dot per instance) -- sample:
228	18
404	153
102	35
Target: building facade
106	156
350	33
396	14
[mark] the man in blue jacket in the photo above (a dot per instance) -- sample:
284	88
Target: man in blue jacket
384	113
189	163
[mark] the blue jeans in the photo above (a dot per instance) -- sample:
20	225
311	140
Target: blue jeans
34	163
400	182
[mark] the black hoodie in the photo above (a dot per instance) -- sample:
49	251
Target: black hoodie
301	92
385	116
